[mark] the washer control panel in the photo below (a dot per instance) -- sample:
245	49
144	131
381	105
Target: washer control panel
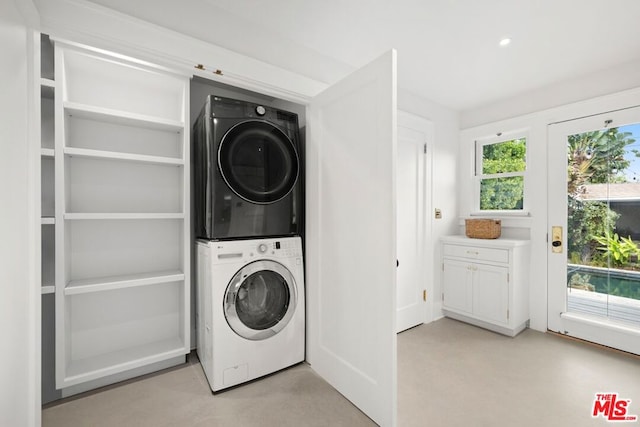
286	248
230	251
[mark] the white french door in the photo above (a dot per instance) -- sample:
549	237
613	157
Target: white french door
351	237
594	275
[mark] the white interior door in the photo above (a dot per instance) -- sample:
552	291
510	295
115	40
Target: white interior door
351	238
412	225
585	290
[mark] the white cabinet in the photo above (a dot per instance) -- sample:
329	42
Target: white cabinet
485	282
121	215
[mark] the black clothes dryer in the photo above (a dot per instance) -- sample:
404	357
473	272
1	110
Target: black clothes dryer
247	171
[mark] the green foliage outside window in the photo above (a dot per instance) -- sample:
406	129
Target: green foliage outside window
586	220
618	250
503	166
502	193
596	158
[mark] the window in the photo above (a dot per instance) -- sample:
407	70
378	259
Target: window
500	174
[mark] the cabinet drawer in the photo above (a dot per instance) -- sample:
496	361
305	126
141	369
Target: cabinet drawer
477	253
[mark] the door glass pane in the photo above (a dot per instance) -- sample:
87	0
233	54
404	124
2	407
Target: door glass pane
603	229
262	300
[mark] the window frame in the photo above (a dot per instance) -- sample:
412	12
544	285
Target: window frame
478	176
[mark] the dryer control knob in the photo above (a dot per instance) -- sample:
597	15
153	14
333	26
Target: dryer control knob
260	110
262	248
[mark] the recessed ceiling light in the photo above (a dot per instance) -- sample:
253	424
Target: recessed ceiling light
505	41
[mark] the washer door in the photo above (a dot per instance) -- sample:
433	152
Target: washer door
260	300
258	161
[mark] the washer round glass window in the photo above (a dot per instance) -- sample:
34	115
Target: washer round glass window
258	161
260	300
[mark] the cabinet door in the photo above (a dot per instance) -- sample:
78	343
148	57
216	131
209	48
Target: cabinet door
491	293
351	271
457	285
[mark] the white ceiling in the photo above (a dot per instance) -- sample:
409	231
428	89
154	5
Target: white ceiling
448	50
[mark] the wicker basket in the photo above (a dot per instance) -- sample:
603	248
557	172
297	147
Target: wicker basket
483	228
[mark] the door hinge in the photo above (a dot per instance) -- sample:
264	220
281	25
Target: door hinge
424	295
508	277
507	314
443	266
425	148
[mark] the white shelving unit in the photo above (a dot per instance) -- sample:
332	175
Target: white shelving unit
47	215
121	215
47	167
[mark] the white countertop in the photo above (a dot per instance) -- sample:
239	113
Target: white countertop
501	242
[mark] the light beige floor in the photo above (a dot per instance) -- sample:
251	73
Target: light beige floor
453	374
449	374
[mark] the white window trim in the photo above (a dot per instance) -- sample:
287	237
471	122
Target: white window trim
478	176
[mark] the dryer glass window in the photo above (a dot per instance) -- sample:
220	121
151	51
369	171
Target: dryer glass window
262	300
258	161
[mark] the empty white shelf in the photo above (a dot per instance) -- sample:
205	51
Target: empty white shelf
47	82
79	371
47	289
96	216
121	117
75	287
47	88
99	154
47	220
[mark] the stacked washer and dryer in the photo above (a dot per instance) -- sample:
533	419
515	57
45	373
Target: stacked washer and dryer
248	216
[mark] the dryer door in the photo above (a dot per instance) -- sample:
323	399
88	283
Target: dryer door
260	300
258	161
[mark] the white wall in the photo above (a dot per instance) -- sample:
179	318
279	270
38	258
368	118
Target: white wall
19	304
535	226
601	83
94	25
444	175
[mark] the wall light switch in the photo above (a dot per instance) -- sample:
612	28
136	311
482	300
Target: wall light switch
438	214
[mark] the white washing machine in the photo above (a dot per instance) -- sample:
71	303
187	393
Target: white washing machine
250	308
